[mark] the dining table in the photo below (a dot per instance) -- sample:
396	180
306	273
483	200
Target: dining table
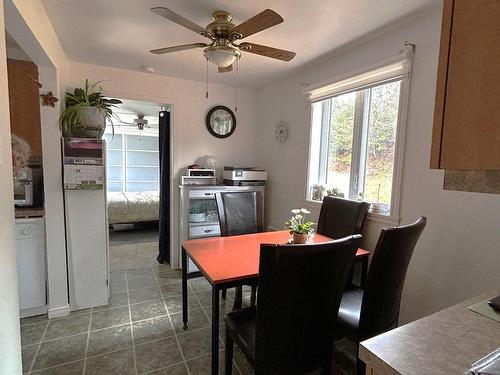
228	262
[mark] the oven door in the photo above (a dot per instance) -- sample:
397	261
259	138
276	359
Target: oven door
23	193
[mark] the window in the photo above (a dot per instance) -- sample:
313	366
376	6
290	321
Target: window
132	159
355	145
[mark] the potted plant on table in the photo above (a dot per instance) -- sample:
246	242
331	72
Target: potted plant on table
86	112
299	228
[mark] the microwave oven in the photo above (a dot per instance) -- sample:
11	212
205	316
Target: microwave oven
27	187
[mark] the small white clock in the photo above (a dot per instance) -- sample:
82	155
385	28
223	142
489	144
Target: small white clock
281	131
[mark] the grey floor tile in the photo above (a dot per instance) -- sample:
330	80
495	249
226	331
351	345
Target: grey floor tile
223	310
117	275
142	282
143	295
74	368
196	343
35	319
178	369
170	290
200	284
32	333
205	298
28	355
196	319
147	310
53	353
174	303
241	361
201	365
115	300
116	363
169	278
111	317
152	329
139	272
157	355
109	339
117	286
69	326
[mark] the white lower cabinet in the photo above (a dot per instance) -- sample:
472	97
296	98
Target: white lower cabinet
31	266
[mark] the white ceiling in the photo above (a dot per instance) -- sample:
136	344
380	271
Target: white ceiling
119	33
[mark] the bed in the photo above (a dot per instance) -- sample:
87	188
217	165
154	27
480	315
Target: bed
133	207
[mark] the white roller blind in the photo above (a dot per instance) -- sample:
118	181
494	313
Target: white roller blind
396	68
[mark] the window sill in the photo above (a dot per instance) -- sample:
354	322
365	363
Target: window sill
381	218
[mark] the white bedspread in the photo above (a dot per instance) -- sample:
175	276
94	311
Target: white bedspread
133	207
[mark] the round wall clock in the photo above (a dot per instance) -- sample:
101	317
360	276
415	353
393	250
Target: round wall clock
281	131
221	121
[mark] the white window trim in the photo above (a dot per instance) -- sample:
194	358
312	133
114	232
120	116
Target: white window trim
318	92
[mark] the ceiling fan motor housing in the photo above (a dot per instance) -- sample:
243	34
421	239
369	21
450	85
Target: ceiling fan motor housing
221	25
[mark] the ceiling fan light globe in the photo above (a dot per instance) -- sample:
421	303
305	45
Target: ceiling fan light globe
221	56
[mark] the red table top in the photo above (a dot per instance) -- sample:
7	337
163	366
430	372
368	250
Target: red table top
223	259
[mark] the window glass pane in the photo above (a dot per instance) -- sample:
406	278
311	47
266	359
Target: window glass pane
340	142
114	142
143	186
115	174
115	186
383	121
141	142
143	174
142	158
114	157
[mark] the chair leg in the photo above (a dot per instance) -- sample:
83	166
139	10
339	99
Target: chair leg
224	293
229	353
238	298
253	296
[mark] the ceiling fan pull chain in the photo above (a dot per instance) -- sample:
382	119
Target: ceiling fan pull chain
206	93
236	94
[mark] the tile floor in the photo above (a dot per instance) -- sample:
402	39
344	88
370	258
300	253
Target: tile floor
138	332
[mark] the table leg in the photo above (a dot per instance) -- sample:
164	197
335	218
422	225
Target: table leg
184	289
215	330
364	272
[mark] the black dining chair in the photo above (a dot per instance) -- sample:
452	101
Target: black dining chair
340	217
292	328
240	213
368	312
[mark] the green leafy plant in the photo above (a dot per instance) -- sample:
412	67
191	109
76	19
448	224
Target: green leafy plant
90	96
297	223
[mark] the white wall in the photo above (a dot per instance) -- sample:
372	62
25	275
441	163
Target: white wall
10	340
27	22
190	136
458	254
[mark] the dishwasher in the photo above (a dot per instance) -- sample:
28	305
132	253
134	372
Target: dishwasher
31	266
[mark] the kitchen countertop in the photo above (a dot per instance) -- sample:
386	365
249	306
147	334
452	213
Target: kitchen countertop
447	342
26	212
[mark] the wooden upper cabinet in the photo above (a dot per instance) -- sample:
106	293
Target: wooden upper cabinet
24	103
466	131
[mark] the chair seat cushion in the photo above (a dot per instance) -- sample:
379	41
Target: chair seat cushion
350	309
240	325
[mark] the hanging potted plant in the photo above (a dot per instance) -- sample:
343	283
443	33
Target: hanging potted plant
299	228
86	112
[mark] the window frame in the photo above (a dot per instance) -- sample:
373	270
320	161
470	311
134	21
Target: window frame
393	217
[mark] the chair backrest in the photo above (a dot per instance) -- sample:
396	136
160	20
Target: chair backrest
239	212
386	277
340	217
300	289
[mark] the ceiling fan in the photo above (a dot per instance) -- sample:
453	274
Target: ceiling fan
223	51
140	122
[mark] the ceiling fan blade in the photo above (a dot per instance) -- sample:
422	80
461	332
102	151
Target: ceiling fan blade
226	69
266	51
264	20
181	47
180	20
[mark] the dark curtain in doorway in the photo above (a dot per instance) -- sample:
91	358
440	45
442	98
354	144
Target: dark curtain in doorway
164	148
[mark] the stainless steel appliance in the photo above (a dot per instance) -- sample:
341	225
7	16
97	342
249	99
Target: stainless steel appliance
244	176
23	187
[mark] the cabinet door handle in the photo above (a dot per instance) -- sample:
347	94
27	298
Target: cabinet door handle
209	230
209	193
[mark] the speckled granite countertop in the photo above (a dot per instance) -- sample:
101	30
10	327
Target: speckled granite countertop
447	342
27	212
